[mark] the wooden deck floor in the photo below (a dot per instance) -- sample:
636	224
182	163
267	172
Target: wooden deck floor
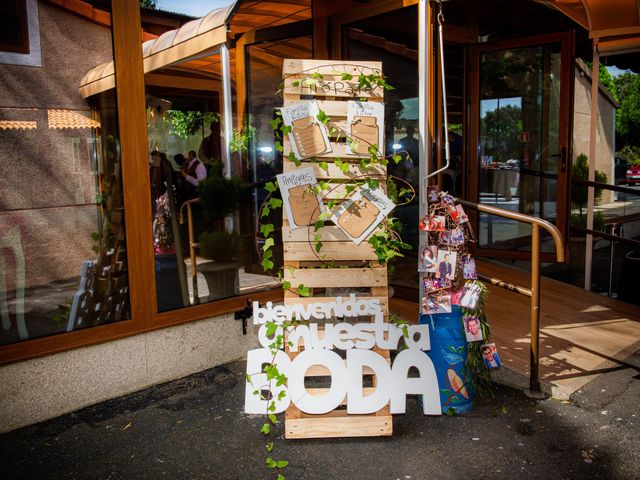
582	334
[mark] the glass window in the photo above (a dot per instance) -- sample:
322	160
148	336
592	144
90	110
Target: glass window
63	262
205	207
14	34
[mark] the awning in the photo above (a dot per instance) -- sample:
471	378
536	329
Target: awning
614	25
195	38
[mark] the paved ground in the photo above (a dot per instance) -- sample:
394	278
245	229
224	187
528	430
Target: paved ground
195	428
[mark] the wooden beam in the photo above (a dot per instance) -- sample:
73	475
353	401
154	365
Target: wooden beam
135	151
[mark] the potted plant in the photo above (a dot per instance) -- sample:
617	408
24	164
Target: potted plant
220	197
579	198
221	274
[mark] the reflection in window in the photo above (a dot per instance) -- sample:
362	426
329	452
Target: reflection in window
63	261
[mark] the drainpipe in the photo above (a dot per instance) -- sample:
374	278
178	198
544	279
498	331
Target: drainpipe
227	114
593	130
424	159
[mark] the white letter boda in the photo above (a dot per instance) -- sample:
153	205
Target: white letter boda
392	382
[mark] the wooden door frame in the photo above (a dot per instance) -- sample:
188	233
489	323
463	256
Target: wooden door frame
566	41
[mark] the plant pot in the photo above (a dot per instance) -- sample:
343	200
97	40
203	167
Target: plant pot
222	279
577	252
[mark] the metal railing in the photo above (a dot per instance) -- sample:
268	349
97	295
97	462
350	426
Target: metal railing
193	245
534	292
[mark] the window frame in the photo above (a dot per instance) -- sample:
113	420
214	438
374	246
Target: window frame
30	55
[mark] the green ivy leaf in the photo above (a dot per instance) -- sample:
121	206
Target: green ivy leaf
275	123
275	203
286	129
248	378
396	158
265	211
266	264
269	446
322	117
273	418
278	146
280	477
270	462
286	285
270	187
303	291
282	393
268	244
282	463
267	229
318	247
317	76
347	76
295	83
266	428
318	225
323	165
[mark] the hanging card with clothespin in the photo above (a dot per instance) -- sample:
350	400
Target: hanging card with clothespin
308	135
362	213
301	203
366	128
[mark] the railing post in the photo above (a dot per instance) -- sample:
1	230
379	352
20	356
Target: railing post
192	254
534	380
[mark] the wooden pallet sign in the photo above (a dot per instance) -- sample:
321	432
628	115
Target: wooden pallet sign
340	380
325	81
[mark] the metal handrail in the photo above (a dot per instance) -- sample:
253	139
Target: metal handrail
534	291
192	245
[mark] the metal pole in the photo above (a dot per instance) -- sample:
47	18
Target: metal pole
424	157
612	256
192	252
227	114
534	378
588	256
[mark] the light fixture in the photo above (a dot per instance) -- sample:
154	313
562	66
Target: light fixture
265	149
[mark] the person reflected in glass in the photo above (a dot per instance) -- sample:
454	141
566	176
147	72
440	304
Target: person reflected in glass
193	172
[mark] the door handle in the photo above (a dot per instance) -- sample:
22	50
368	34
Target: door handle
563	159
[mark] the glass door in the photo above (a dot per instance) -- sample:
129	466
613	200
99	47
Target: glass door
519	137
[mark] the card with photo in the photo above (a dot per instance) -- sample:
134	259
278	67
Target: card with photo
456	236
428	259
453	213
446	264
430	284
490	356
448	200
437	223
472	328
469	268
462	215
432	194
437	302
470	295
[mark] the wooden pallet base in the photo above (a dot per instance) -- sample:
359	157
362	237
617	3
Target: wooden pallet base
298	425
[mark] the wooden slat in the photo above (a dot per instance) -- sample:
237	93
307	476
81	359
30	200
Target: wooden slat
339	150
329	251
338	424
337	277
327	234
384	301
333	172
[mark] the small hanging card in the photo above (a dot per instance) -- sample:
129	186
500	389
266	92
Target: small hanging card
490	356
446	264
469	268
436	223
438	302
447	200
472	328
462	215
430	284
470	295
366	122
302	205
428	259
308	135
362	213
452	237
432	193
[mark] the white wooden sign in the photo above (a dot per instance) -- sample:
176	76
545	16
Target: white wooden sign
392	381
